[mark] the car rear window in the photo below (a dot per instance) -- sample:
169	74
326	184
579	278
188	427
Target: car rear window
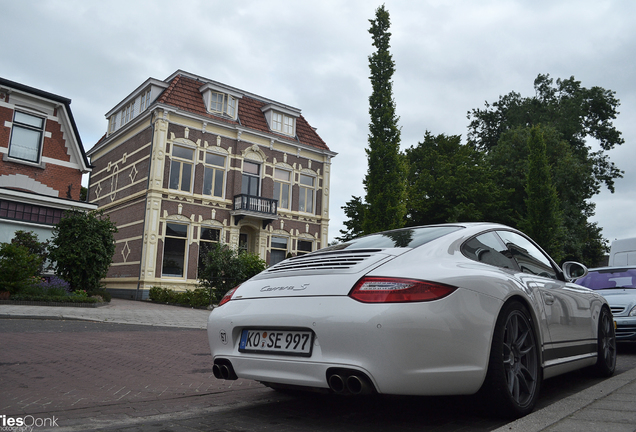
402	238
609	278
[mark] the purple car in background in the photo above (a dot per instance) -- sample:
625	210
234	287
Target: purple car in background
618	286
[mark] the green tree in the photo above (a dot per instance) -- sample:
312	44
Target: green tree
354	210
581	239
449	182
30	240
569	115
385	179
542	220
19	267
82	248
223	268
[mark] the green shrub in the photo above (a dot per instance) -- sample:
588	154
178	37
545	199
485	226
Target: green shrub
19	269
223	268
30	240
199	297
105	295
59	299
82	248
55	292
33	290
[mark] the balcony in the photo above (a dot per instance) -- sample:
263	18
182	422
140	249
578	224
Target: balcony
255	207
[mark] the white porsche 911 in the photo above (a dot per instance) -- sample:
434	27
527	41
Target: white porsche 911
435	310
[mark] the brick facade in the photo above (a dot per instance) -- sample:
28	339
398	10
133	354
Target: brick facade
50	178
135	164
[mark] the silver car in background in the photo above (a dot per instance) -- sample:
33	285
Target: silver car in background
618	286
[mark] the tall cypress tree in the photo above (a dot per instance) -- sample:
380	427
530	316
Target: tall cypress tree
385	181
543	218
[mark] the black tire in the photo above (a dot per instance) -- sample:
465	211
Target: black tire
514	372
606	359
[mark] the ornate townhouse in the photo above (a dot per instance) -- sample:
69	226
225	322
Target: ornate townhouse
187	162
42	160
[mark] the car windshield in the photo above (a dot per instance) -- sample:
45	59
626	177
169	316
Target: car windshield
609	278
402	238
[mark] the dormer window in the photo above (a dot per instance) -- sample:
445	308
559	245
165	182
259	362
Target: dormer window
112	124
216	102
280	119
144	101
283	123
219	100
223	104
127	113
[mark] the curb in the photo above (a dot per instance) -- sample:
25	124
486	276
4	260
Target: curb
53	304
551	415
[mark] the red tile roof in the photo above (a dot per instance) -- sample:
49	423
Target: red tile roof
183	93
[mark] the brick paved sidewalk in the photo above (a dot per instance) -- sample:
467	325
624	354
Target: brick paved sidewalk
94	370
118	311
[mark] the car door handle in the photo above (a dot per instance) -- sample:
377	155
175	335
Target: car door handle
548	298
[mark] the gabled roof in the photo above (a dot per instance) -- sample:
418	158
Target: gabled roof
183	93
65	102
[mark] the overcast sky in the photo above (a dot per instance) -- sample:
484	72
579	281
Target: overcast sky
451	57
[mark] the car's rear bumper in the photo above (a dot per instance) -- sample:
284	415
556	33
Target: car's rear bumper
426	348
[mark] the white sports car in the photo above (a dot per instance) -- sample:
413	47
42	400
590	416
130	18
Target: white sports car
435	310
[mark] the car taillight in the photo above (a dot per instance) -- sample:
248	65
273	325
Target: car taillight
398	290
228	296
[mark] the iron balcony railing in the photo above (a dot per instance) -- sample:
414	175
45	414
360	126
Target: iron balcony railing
256	204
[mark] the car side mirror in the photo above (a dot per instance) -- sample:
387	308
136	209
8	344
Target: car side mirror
573	270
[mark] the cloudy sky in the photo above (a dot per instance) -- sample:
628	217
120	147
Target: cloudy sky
451	57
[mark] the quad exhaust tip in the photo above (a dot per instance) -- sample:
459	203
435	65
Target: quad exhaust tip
222	369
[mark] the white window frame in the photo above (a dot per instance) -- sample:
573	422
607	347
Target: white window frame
127	113
185	239
215	105
112	123
144	102
215	169
223	103
279	189
289	124
272	248
230	107
257	177
18	125
303	190
302	252
283	123
181	161
277	121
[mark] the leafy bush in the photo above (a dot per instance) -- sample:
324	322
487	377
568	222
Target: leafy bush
82	248
30	240
195	298
18	267
33	289
58	299
223	268
105	295
55	292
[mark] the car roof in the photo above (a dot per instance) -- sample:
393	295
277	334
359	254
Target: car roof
625	267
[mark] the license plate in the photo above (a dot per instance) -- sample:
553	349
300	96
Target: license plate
285	342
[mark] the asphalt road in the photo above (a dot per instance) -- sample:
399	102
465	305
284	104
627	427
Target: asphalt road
101	376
